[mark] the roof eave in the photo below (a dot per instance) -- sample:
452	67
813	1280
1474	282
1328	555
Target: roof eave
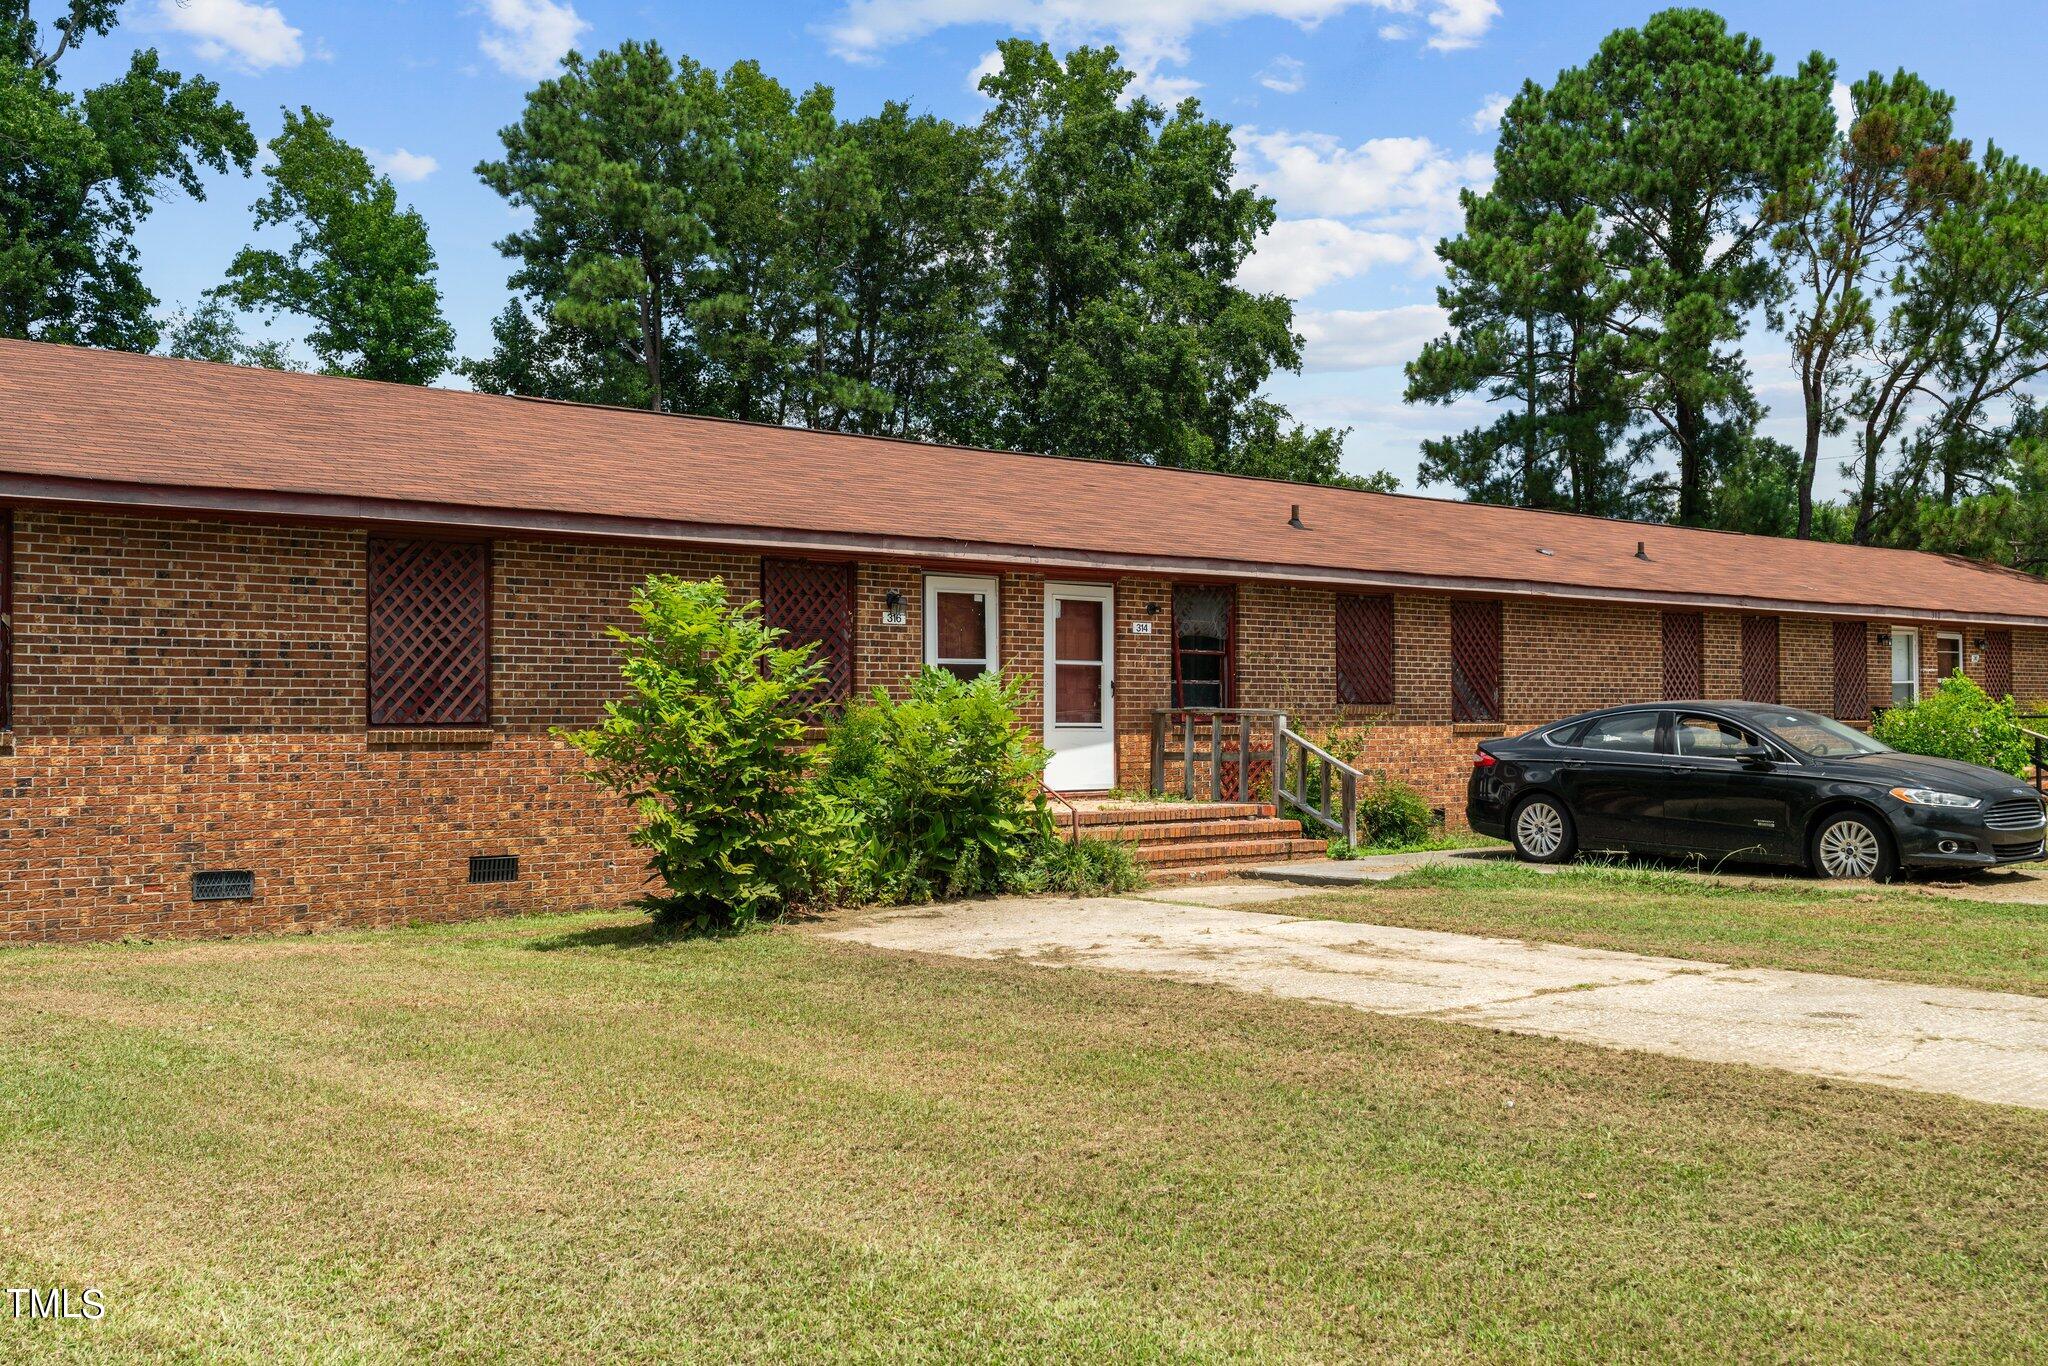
175	500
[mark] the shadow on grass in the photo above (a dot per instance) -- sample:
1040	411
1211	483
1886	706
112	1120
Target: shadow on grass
644	934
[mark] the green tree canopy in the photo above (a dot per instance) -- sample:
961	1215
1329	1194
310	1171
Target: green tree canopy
82	171
359	267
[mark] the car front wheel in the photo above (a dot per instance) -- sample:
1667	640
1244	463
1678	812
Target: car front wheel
1853	845
1542	831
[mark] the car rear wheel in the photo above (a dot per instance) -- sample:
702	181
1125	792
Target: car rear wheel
1543	832
1853	845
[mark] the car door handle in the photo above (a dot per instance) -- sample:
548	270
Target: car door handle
1683	768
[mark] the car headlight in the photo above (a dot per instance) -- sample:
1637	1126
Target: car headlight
1927	796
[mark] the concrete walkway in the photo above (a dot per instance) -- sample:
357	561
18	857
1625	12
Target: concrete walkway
1982	1045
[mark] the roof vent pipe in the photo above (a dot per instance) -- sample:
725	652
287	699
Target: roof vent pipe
1294	518
1641	553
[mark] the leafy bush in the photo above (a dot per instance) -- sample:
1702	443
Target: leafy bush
1391	813
1085	867
1958	720
708	745
944	785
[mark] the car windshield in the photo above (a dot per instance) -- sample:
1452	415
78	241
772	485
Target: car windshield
1817	737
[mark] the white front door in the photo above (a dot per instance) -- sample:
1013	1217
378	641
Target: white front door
1080	686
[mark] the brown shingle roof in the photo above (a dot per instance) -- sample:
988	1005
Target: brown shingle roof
108	427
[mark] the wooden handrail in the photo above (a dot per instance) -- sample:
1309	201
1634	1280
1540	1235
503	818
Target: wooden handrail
1339	817
2040	744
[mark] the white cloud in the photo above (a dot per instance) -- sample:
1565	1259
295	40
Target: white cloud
1284	74
1405	183
407	168
1364	339
1487	118
528	37
1845	105
1150	34
250	35
1301	255
1460	24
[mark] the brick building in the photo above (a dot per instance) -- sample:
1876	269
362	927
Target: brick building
285	651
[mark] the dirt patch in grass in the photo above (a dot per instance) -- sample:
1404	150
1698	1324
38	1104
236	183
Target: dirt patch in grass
561	1139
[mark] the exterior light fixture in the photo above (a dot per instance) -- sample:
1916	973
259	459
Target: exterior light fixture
894	601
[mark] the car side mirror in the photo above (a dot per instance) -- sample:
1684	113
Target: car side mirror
1753	756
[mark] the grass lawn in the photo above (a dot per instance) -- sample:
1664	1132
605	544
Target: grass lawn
555	1139
1896	932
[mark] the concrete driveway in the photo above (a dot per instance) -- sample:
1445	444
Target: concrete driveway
1983	1045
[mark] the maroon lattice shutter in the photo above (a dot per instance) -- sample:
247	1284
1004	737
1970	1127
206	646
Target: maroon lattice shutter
1760	659
430	633
1998	663
813	601
1685	655
1475	660
1852	671
1365	650
6	619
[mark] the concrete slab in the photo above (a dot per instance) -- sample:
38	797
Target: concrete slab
1982	1045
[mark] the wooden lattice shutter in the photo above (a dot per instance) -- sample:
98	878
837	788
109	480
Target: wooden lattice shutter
1998	663
1685	655
1365	650
1475	661
1852	671
1760	659
813	601
6	619
430	633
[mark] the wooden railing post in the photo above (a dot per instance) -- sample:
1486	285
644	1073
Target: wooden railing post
1279	760
1158	788
1187	756
1351	810
1216	756
1244	751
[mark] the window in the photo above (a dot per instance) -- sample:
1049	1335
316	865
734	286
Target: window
430	633
1905	666
1365	650
1819	738
1630	733
6	619
1204	632
1852	671
1760	659
1475	660
1685	655
1998	663
1709	737
1948	654
960	625
813	602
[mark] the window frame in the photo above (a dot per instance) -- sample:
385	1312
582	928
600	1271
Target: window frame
1497	624
490	635
990	587
1660	727
1227	692
1962	655
832	695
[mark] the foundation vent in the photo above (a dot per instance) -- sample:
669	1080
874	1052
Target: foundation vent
224	884
494	868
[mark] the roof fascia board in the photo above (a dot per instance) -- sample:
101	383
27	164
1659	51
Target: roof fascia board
176	500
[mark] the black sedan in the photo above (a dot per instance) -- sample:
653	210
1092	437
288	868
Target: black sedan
1746	782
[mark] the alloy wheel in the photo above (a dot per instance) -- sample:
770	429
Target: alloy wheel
1539	829
1849	849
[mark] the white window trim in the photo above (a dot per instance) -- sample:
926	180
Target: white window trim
1962	659
935	584
1913	636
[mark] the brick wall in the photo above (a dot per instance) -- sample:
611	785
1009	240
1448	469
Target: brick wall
189	695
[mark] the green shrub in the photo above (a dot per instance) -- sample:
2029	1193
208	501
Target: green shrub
1391	813
1085	867
707	744
1959	720
944	785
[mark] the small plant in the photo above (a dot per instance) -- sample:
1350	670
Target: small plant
944	785
1085	867
1959	720
707	745
1393	813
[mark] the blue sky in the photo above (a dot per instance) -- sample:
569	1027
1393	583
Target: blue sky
1361	117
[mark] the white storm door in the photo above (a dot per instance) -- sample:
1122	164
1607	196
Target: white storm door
1080	686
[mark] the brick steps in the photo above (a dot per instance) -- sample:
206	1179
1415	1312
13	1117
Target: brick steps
1180	842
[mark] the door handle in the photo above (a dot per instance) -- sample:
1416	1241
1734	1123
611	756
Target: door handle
1683	768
